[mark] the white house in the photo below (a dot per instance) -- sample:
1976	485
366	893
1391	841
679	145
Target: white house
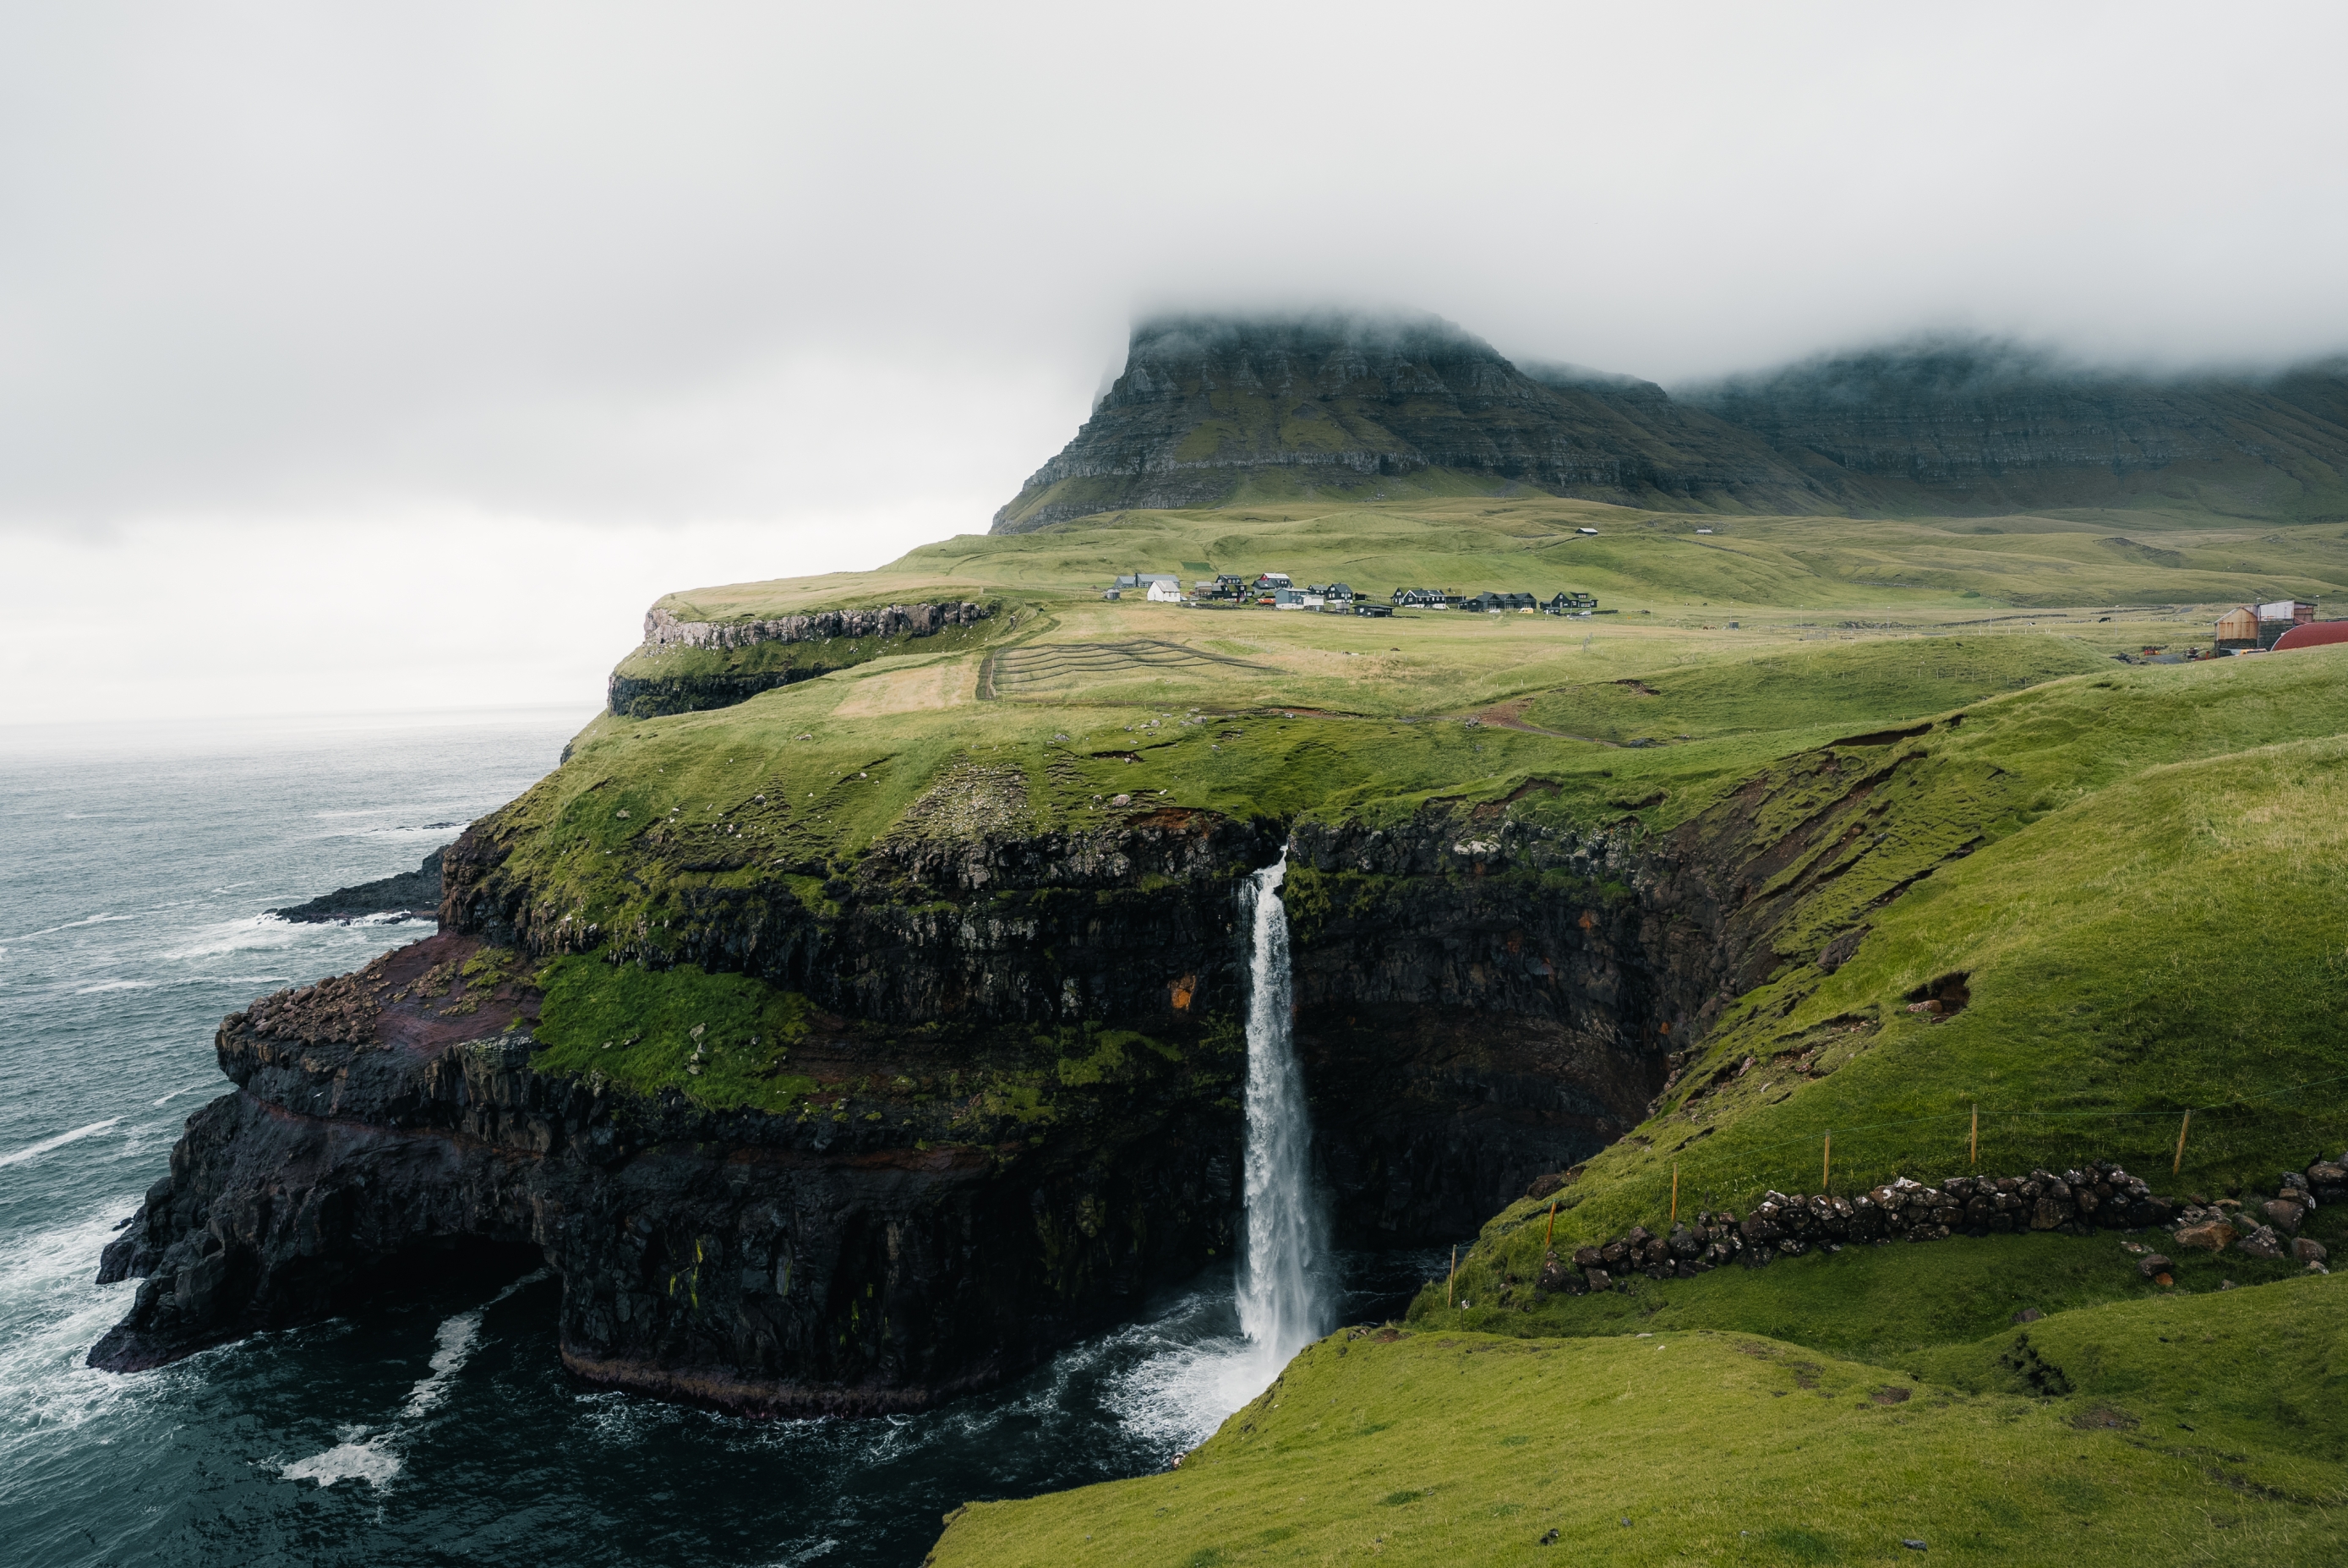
1165	591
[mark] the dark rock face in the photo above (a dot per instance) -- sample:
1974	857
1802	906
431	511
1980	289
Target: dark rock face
416	893
759	1263
1964	426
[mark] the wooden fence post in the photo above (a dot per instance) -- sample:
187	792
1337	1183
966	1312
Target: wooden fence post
1826	1167
1675	1191
1450	1281
1974	1157
1551	1237
2179	1163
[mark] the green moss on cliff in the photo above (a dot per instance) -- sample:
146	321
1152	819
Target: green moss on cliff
724	1039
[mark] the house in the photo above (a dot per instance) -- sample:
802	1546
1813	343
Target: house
2238	628
1337	592
2280	616
1502	603
1585	531
1420	599
1165	591
1368	607
1265	581
1113	594
1288	599
1567	603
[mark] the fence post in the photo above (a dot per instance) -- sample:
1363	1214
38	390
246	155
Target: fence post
2179	1163
1675	1191
1551	1237
1450	1280
1826	1167
1974	1154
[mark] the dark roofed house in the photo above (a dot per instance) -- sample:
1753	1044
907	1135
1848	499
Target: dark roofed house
1566	603
1420	598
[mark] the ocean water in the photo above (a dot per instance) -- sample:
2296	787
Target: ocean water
436	1427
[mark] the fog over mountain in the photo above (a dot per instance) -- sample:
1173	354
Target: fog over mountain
1213	408
314	303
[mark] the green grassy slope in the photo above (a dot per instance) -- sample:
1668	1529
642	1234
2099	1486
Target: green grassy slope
2151	927
2203	1428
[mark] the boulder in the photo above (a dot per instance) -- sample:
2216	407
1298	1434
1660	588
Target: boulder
2262	1242
2152	1264
2284	1215
1598	1279
2307	1249
1587	1258
2209	1235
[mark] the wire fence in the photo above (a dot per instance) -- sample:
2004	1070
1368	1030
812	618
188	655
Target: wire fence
2173	1149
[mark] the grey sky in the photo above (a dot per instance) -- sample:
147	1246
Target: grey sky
743	291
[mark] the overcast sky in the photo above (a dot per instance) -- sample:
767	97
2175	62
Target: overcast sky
375	357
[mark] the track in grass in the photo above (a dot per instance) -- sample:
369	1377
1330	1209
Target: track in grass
1052	667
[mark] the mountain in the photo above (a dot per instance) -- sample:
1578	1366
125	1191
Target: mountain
1974	425
1215	410
1209	406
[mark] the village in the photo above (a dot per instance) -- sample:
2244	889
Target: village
2278	625
1278	591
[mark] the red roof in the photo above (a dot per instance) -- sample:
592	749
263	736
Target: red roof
2313	634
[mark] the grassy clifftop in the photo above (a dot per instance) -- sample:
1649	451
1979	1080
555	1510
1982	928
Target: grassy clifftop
2134	869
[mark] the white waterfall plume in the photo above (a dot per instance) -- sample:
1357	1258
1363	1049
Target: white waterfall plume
1283	1298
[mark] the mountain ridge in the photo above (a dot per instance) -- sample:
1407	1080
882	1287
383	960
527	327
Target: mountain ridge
1214	409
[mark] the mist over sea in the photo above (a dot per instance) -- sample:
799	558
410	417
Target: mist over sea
439	1427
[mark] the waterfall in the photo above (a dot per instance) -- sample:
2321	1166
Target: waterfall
1282	1296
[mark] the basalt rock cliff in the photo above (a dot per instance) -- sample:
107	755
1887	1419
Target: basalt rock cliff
1213	408
1027	1064
687	666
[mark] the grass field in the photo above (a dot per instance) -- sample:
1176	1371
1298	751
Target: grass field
2201	1429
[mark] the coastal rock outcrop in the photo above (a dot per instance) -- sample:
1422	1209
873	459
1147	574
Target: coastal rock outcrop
833	1262
1021	1058
741	659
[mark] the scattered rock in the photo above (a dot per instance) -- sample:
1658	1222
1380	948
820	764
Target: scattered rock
1912	1545
2284	1215
1891	1396
1549	1539
2262	1242
2028	1314
2307	1249
2209	1235
2151	1264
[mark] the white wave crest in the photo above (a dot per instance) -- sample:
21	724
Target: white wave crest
69	925
33	1151
375	1460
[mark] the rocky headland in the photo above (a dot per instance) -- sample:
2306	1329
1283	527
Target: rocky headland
1019	1068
